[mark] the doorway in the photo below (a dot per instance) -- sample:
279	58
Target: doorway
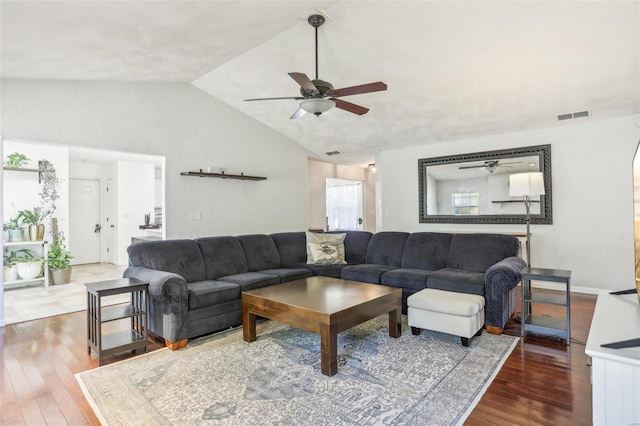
344	205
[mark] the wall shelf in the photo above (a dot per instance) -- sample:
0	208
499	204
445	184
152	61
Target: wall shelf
223	175
24	169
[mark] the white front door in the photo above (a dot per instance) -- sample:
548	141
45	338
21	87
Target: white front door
84	220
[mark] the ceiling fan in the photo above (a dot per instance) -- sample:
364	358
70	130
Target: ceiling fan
319	96
490	165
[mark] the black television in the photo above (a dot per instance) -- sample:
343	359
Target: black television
636	226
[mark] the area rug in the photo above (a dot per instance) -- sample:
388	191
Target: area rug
222	380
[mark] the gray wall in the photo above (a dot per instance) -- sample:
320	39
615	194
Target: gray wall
192	129
592	232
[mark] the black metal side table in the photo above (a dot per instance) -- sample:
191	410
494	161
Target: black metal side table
560	327
133	338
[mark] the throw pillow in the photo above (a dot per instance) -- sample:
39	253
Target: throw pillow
325	253
337	239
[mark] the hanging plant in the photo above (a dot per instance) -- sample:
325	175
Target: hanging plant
49	193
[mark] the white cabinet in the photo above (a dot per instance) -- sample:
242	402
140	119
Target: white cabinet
615	373
41	249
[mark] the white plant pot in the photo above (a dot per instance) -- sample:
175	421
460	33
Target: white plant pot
30	270
10	273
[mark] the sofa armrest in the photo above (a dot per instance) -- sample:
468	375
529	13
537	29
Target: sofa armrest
499	292
504	275
164	285
168	301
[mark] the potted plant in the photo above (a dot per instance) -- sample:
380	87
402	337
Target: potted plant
29	265
59	262
15	231
16	160
33	219
10	270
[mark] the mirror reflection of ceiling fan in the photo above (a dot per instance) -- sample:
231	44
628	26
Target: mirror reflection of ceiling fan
490	165
319	96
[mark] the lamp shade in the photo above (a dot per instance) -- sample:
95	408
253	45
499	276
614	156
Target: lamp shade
317	106
521	184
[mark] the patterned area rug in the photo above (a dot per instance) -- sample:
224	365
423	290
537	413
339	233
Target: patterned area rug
222	380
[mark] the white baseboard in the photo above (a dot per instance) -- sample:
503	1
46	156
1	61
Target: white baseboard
557	286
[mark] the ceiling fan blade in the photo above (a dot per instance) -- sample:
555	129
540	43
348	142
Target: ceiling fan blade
299	113
303	81
472	167
272	99
363	88
348	106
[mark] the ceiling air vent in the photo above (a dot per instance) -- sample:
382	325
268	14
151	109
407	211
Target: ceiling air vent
332	152
573	115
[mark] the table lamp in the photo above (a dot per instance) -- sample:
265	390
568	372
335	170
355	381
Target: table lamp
527	185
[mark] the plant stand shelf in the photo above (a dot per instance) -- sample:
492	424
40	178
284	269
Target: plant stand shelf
121	341
21	282
223	175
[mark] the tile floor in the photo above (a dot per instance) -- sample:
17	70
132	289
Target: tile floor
29	303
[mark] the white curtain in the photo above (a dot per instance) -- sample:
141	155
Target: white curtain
344	206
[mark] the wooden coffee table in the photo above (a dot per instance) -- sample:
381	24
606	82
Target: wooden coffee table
322	305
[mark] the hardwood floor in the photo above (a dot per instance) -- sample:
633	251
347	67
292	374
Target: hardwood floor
542	382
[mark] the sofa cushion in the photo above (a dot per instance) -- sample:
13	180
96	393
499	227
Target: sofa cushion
182	257
385	248
426	250
260	251
366	272
457	280
332	271
291	247
415	279
211	292
477	252
222	256
288	274
251	280
355	245
334	240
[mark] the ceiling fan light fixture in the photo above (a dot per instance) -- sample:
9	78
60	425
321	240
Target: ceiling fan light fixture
317	106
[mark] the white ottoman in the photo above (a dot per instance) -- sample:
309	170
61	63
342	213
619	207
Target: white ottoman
460	314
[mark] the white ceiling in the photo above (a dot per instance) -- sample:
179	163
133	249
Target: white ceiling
454	69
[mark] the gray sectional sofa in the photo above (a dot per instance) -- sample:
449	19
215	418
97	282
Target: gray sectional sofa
195	285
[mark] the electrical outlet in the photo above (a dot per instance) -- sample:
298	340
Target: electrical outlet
196	216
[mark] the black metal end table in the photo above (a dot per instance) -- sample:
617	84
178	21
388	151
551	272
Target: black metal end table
133	338
560	327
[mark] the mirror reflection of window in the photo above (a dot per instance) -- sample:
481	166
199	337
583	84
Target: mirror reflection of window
465	203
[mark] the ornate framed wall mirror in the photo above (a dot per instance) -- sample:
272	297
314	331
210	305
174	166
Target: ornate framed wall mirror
474	188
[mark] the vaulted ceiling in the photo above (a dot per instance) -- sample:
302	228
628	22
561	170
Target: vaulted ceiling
454	70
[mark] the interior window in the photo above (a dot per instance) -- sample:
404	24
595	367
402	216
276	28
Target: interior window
344	205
